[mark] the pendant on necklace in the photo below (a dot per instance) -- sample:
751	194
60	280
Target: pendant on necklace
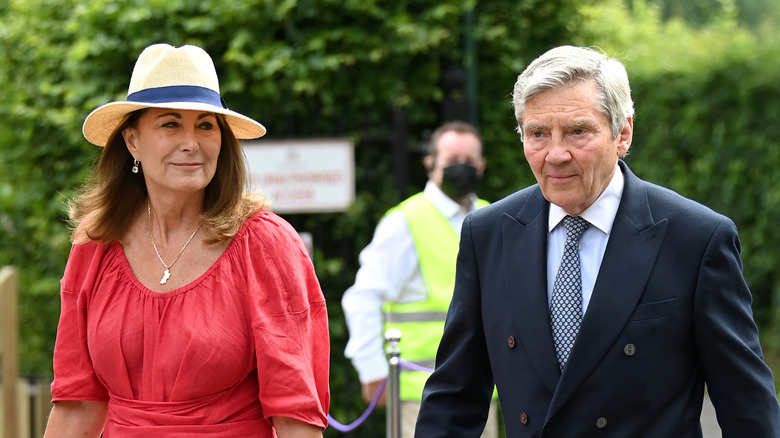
166	276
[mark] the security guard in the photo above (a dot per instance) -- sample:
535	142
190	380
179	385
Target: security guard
407	272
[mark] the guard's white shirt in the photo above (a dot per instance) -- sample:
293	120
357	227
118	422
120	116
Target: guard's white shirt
593	242
389	271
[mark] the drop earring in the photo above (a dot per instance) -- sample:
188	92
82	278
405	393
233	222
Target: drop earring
135	166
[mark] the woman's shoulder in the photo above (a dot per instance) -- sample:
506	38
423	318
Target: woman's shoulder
80	231
83	262
278	263
267	225
265	232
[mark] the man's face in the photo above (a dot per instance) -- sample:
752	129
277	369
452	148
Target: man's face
455	147
569	146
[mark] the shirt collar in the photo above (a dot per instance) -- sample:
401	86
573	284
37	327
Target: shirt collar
601	214
444	203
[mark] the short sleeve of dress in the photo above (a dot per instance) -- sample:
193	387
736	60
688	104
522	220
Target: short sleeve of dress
74	376
289	321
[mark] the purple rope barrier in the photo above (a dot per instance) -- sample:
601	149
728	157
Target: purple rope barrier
414	366
352	426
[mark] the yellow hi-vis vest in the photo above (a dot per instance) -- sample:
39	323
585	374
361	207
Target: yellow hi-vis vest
422	322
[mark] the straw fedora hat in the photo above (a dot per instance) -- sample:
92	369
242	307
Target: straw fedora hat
169	77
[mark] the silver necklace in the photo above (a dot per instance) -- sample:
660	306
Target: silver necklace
167	273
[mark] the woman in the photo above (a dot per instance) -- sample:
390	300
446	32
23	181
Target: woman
187	308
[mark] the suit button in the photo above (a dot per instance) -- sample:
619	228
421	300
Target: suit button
629	350
523	418
601	423
510	341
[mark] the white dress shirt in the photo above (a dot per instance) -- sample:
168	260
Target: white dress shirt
600	215
389	271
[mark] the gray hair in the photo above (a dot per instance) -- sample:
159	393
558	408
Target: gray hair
567	65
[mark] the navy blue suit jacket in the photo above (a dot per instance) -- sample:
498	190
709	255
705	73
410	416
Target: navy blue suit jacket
670	311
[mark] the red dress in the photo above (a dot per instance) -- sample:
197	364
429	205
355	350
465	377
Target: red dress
245	341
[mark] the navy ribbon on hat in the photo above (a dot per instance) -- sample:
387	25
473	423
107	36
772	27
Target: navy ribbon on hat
178	93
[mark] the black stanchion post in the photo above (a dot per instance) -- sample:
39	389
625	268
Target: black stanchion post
392	337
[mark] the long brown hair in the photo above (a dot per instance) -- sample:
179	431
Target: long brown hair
111	195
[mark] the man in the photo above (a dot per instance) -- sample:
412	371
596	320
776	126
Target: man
407	272
649	304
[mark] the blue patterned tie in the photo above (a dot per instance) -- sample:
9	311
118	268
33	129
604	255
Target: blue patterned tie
566	303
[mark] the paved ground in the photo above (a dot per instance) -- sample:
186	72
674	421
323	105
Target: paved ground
709	424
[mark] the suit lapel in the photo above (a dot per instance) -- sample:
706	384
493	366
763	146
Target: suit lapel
525	267
628	261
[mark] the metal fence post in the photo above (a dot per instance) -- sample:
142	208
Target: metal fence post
392	337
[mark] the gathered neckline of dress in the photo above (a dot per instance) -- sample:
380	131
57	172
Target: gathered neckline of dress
127	271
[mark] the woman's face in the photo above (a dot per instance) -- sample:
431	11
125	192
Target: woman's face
177	149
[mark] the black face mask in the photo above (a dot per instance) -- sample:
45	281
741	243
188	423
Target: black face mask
459	180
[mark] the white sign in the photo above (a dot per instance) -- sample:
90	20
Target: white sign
303	176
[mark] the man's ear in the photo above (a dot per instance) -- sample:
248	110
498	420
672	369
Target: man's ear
429	163
625	136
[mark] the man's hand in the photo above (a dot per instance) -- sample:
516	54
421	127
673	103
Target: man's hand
369	391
